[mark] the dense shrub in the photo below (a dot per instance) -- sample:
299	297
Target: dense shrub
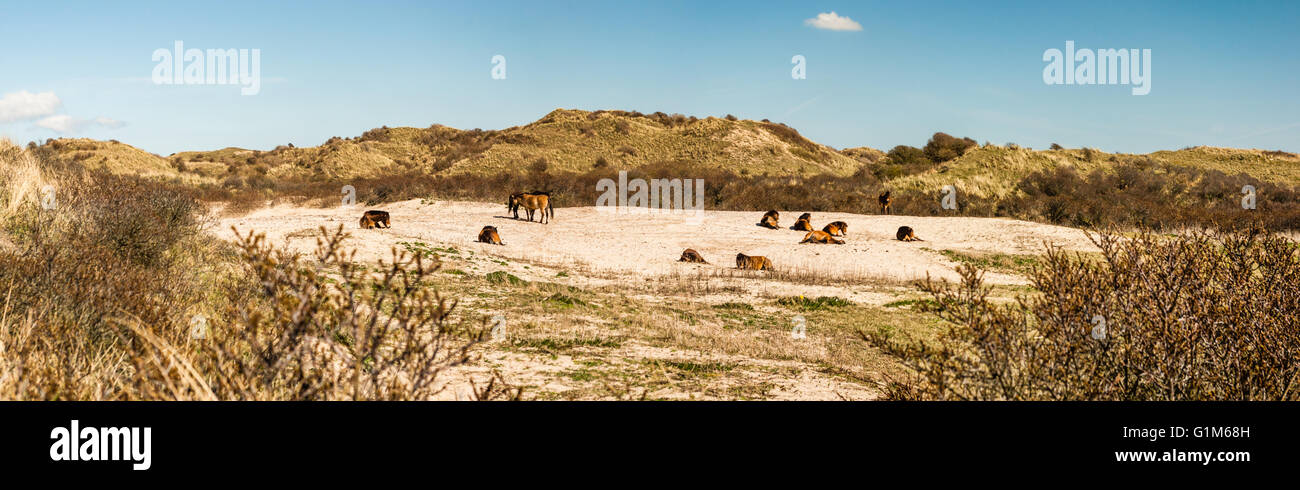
908	156
943	147
1145	193
1139	193
1192	317
114	292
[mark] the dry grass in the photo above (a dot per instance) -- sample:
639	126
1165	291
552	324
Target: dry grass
1209	316
116	293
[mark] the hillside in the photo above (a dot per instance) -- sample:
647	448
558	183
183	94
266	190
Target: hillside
113	156
579	142
994	171
562	141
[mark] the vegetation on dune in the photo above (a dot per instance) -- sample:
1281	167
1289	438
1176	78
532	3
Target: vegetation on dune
112	291
567	140
747	165
1208	316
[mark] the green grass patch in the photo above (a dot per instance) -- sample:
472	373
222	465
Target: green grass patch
1000	262
698	368
922	304
565	301
734	306
425	250
557	345
503	277
811	304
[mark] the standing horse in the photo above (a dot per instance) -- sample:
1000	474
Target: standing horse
533	202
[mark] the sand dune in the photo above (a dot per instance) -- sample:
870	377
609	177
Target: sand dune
641	245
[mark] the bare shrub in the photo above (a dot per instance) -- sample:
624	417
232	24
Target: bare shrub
362	336
1207	316
100	298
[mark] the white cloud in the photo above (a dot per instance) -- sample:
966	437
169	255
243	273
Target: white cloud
833	22
24	105
109	123
64	123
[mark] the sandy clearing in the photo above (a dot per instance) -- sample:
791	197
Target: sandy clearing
637	255
642	246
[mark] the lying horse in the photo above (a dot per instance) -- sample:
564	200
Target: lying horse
375	219
906	234
804	223
837	228
821	237
489	235
690	255
757	263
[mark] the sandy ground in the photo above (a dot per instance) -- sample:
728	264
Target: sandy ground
638	246
636	254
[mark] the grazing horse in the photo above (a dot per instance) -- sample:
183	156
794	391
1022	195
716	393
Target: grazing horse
489	235
758	263
821	237
533	202
885	200
510	204
690	255
837	228
906	234
770	220
375	219
804	223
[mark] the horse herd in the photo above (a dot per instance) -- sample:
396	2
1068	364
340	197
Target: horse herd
539	203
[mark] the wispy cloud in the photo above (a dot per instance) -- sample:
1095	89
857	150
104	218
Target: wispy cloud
24	106
801	106
1264	132
833	22
65	124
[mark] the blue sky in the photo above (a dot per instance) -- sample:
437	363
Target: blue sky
1223	73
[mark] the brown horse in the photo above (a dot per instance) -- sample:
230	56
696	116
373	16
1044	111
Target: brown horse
907	234
885	200
531	202
375	219
821	237
757	263
690	255
490	235
804	223
771	220
510	204
837	228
